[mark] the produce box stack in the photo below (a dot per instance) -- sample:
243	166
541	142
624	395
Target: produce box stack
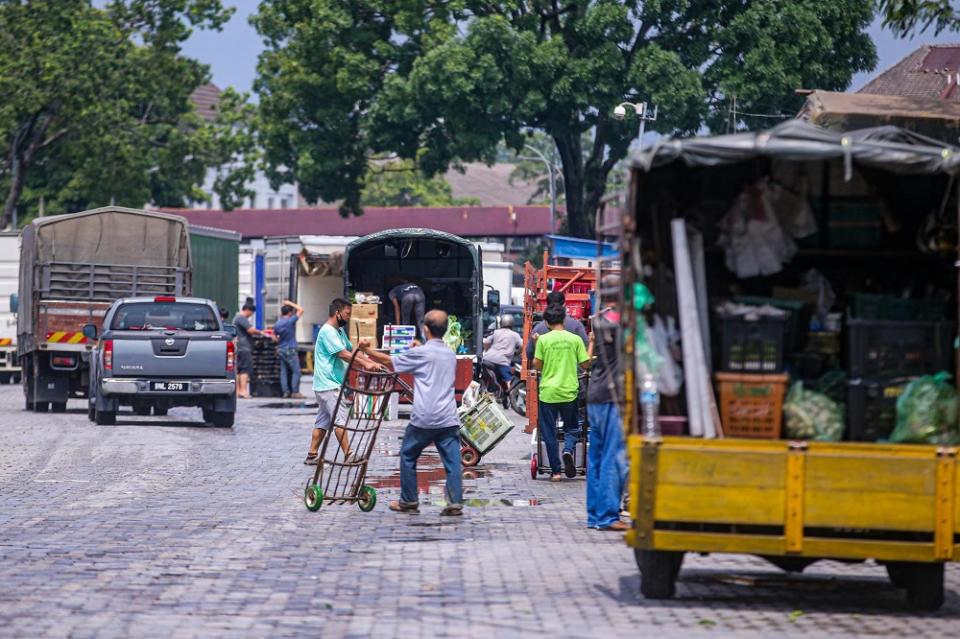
363	323
398	338
890	342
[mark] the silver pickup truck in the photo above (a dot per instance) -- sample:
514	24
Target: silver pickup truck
159	352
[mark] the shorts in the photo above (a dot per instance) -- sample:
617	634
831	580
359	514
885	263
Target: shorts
244	362
326	404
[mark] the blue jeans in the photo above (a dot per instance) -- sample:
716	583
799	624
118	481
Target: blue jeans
606	465
504	372
547	423
289	370
447	441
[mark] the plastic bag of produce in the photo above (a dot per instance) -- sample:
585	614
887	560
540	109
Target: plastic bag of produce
927	412
452	337
811	415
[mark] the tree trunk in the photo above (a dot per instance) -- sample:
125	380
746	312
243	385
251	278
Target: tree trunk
571	159
16	190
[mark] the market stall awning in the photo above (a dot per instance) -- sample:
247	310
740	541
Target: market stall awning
888	148
575	248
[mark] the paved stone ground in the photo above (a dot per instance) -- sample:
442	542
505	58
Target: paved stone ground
165	527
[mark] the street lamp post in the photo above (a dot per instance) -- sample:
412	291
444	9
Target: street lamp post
551	180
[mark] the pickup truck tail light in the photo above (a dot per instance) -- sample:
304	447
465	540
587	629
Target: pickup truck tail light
231	357
165	298
108	354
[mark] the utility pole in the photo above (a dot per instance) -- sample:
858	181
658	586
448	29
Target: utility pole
551	180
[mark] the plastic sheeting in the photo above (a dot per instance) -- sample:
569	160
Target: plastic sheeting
888	148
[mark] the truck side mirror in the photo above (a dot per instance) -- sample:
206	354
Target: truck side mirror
493	302
230	330
90	331
14	302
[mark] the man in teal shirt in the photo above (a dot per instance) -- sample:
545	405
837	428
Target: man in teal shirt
331	357
558	355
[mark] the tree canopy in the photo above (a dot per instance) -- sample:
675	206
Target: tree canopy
96	105
399	183
439	82
905	17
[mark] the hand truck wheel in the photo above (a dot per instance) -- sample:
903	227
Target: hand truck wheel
313	496
534	466
469	456
368	499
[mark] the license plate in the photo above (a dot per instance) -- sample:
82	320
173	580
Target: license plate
169	386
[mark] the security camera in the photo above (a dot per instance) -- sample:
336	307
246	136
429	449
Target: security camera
619	112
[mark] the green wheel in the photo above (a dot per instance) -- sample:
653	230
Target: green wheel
313	497
368	499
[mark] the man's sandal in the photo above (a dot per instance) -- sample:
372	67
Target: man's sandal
311	459
403	507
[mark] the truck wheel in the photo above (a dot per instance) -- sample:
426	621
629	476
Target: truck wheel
91	411
58	407
899	573
207	416
142	410
160	412
222	420
658	572
925	587
41	407
105	418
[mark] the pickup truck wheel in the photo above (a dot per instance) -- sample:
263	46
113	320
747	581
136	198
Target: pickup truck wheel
160	412
207	416
925	587
658	572
58	407
41	407
222	420
92	411
142	410
105	418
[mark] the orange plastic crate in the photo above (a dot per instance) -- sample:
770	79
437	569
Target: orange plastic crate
751	405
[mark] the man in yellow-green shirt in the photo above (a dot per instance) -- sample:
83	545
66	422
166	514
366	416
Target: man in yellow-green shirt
558	355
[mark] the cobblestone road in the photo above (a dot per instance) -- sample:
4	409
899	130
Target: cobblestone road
165	527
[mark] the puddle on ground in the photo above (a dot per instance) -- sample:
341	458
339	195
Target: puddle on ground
304	404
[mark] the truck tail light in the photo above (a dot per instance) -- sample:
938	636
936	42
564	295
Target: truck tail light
108	354
165	298
231	357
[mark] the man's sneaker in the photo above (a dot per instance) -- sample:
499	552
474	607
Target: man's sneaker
311	460
404	507
453	510
286	395
297	396
568	468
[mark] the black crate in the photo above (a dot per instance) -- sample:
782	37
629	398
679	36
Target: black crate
265	388
752	345
885	348
872	408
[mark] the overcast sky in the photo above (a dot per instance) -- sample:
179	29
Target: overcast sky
232	53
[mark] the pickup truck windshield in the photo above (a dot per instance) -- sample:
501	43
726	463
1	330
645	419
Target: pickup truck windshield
149	316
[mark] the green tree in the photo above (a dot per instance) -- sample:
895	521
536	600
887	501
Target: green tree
906	17
399	183
96	104
440	82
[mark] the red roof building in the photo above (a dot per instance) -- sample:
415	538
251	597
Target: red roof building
930	72
494	223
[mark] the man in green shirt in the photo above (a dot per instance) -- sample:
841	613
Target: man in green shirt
558	355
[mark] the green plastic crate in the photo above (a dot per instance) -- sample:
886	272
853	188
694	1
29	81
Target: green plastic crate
484	425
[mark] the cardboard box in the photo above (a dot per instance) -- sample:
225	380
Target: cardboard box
365	311
363	329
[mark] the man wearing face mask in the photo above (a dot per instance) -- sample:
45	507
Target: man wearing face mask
331	356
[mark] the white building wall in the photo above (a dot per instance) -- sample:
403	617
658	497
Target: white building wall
264	197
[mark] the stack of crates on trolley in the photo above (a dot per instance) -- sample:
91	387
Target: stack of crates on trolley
482	427
265	381
343	459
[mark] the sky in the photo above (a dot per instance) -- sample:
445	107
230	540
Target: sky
232	52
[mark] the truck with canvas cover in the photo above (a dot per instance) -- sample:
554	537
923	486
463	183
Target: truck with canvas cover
9	267
72	268
791	497
447	268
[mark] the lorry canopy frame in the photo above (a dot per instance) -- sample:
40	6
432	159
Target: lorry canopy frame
887	148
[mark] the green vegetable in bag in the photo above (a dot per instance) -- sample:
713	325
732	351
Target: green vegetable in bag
647	357
927	412
811	415
452	337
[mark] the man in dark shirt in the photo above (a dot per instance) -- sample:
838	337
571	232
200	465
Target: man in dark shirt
541	328
606	457
409	304
245	334
286	331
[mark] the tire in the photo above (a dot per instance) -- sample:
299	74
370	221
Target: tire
41	407
518	399
28	405
160	412
58	407
899	573
141	410
469	456
368	499
91	411
207	415
222	420
658	572
925	587
105	418
534	465
313	497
